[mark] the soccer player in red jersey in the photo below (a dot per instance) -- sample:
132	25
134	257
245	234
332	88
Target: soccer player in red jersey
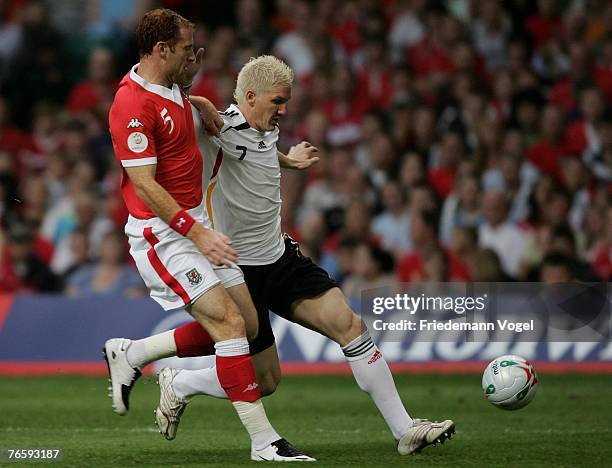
183	263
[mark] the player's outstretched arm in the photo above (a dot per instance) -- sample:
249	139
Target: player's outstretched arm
300	156
216	246
210	115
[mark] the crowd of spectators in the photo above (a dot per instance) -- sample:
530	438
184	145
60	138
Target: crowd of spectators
460	140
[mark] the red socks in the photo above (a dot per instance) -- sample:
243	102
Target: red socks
234	366
192	340
237	377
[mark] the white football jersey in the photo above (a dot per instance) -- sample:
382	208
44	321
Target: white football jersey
242	188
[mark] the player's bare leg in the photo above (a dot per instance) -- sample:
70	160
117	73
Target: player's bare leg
330	315
219	315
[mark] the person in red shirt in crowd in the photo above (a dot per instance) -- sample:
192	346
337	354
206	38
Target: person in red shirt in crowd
17	143
424	232
154	139
99	85
346	28
442	176
565	91
582	134
546	24
432	56
345	108
374	81
546	153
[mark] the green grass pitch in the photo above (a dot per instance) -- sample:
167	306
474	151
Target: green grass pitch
568	424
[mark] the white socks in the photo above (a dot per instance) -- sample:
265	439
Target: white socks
374	377
255	421
188	383
142	352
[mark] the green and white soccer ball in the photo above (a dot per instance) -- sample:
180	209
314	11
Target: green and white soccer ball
509	382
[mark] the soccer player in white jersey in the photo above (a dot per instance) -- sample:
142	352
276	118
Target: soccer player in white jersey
242	198
154	140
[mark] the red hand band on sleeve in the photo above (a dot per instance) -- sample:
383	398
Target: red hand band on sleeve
182	222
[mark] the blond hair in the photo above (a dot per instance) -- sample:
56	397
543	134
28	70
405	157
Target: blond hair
260	75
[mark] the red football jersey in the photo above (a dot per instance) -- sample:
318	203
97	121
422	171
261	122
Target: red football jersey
152	124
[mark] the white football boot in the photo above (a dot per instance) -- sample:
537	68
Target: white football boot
168	413
122	375
424	433
280	451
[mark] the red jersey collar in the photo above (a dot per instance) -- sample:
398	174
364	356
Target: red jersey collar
173	94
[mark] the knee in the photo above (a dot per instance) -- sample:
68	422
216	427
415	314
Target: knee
233	321
268	384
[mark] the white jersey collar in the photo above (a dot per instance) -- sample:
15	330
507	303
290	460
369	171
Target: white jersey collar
233	111
173	94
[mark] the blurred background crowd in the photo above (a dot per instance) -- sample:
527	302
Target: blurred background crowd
459	139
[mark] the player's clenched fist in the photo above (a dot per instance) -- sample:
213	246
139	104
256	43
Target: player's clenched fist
215	246
302	156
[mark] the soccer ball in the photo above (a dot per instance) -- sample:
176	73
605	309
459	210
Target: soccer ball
509	382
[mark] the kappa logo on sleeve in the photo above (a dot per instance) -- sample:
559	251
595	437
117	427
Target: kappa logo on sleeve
137	142
134	123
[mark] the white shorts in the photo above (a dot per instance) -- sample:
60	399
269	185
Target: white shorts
171	266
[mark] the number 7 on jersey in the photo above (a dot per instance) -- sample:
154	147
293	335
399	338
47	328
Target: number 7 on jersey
243	149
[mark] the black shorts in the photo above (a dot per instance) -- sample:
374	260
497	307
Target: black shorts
276	286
